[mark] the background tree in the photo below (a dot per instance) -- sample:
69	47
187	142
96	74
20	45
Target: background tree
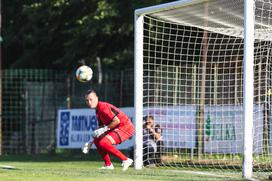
59	33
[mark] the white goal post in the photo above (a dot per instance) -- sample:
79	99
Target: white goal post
203	71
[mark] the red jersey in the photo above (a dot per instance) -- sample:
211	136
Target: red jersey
105	113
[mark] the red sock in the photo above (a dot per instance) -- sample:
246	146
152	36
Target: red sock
107	146
105	156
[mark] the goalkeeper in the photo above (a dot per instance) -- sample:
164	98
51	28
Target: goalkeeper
115	128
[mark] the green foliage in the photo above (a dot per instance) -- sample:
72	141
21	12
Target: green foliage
59	33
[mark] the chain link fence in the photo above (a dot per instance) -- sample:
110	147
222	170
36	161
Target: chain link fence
31	99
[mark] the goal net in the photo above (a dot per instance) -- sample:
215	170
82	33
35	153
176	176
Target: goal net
190	77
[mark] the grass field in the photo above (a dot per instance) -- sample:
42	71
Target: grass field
77	167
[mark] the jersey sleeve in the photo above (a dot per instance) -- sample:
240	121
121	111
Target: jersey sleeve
108	113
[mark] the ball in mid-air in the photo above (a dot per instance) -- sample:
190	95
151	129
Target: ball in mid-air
84	73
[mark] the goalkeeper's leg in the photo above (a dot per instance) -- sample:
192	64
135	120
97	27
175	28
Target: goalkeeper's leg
103	153
105	145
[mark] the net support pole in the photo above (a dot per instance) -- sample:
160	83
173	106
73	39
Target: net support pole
1	77
248	89
138	91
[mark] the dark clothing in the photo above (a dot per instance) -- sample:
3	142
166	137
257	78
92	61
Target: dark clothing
152	148
148	134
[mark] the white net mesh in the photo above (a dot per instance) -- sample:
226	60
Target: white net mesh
193	84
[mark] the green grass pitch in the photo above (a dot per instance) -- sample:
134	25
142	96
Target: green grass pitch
79	167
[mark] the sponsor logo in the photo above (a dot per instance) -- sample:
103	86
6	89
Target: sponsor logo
64	128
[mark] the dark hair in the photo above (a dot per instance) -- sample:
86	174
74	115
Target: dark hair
90	91
148	117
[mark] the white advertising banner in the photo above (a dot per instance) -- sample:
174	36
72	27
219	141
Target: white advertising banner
75	127
178	124
223	129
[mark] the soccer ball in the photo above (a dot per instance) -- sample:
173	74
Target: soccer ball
84	73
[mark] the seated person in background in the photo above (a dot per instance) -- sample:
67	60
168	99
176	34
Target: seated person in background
152	141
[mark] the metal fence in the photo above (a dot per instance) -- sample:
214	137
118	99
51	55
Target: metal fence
31	99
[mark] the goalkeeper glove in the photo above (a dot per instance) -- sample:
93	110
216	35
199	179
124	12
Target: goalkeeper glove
87	147
100	131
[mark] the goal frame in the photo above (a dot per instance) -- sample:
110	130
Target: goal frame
248	93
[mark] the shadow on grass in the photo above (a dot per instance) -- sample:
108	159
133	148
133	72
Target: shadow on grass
53	157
